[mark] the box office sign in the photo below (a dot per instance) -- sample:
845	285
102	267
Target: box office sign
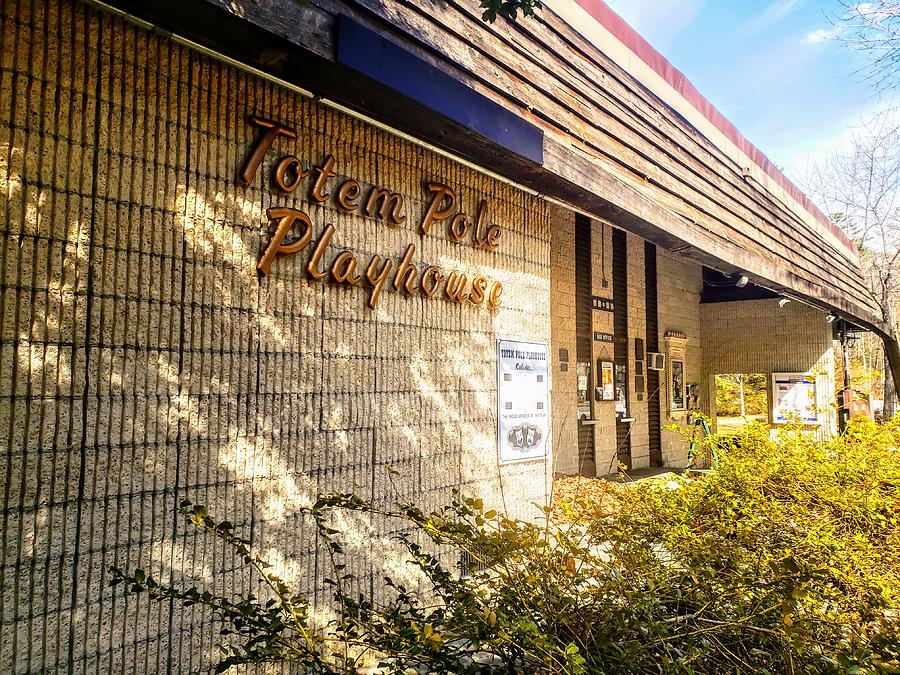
523	401
291	229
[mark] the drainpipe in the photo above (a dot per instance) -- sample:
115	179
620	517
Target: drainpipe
844	410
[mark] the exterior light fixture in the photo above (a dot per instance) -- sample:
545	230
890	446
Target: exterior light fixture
830	318
742	281
783	302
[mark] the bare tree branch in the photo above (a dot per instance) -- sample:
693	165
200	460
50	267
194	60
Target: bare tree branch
859	187
874	28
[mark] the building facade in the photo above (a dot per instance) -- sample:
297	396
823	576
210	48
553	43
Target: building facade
257	253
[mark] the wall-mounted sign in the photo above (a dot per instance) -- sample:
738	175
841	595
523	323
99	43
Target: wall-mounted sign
604	337
291	229
607	392
677	384
523	401
603	304
794	395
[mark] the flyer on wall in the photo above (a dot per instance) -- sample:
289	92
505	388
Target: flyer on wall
523	401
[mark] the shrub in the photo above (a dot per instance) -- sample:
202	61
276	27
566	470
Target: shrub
784	559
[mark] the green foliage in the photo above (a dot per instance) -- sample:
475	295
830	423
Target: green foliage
509	9
784	559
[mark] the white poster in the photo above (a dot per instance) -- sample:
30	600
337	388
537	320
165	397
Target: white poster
523	401
794	394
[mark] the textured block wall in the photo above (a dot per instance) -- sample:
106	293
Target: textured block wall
562	324
680	284
604	411
144	362
637	328
565	395
758	336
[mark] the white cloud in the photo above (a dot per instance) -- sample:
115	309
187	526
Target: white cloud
820	35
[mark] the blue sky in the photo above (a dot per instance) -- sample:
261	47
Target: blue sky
770	66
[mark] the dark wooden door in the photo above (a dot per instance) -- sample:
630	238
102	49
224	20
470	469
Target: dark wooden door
587	464
620	330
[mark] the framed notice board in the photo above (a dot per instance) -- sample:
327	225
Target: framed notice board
794	396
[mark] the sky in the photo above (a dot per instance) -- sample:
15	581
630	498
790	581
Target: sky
772	67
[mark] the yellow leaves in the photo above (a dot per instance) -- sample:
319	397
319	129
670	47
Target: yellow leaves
428	634
787	610
490	617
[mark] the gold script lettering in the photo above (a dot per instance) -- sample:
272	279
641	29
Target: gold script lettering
479	285
285	164
494	295
439	193
262	145
348	193
343	269
489	238
389	203
406	272
312	269
455	290
431	279
377	276
323	173
459	227
285	218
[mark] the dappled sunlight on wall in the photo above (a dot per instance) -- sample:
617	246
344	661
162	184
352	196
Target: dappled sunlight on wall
150	363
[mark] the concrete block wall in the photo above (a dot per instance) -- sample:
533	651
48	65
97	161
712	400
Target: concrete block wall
758	336
604	411
604	414
562	327
144	361
637	328
680	283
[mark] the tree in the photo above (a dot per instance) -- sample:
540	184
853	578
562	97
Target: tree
860	187
874	28
509	9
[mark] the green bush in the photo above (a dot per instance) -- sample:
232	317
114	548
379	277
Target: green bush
784	559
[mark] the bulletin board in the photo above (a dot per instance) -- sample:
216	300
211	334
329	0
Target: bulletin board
794	395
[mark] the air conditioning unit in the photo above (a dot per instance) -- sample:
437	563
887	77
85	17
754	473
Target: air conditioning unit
656	361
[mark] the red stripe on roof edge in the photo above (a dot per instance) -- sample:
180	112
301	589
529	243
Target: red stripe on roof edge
616	25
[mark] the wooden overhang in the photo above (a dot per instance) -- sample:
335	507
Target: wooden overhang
610	141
